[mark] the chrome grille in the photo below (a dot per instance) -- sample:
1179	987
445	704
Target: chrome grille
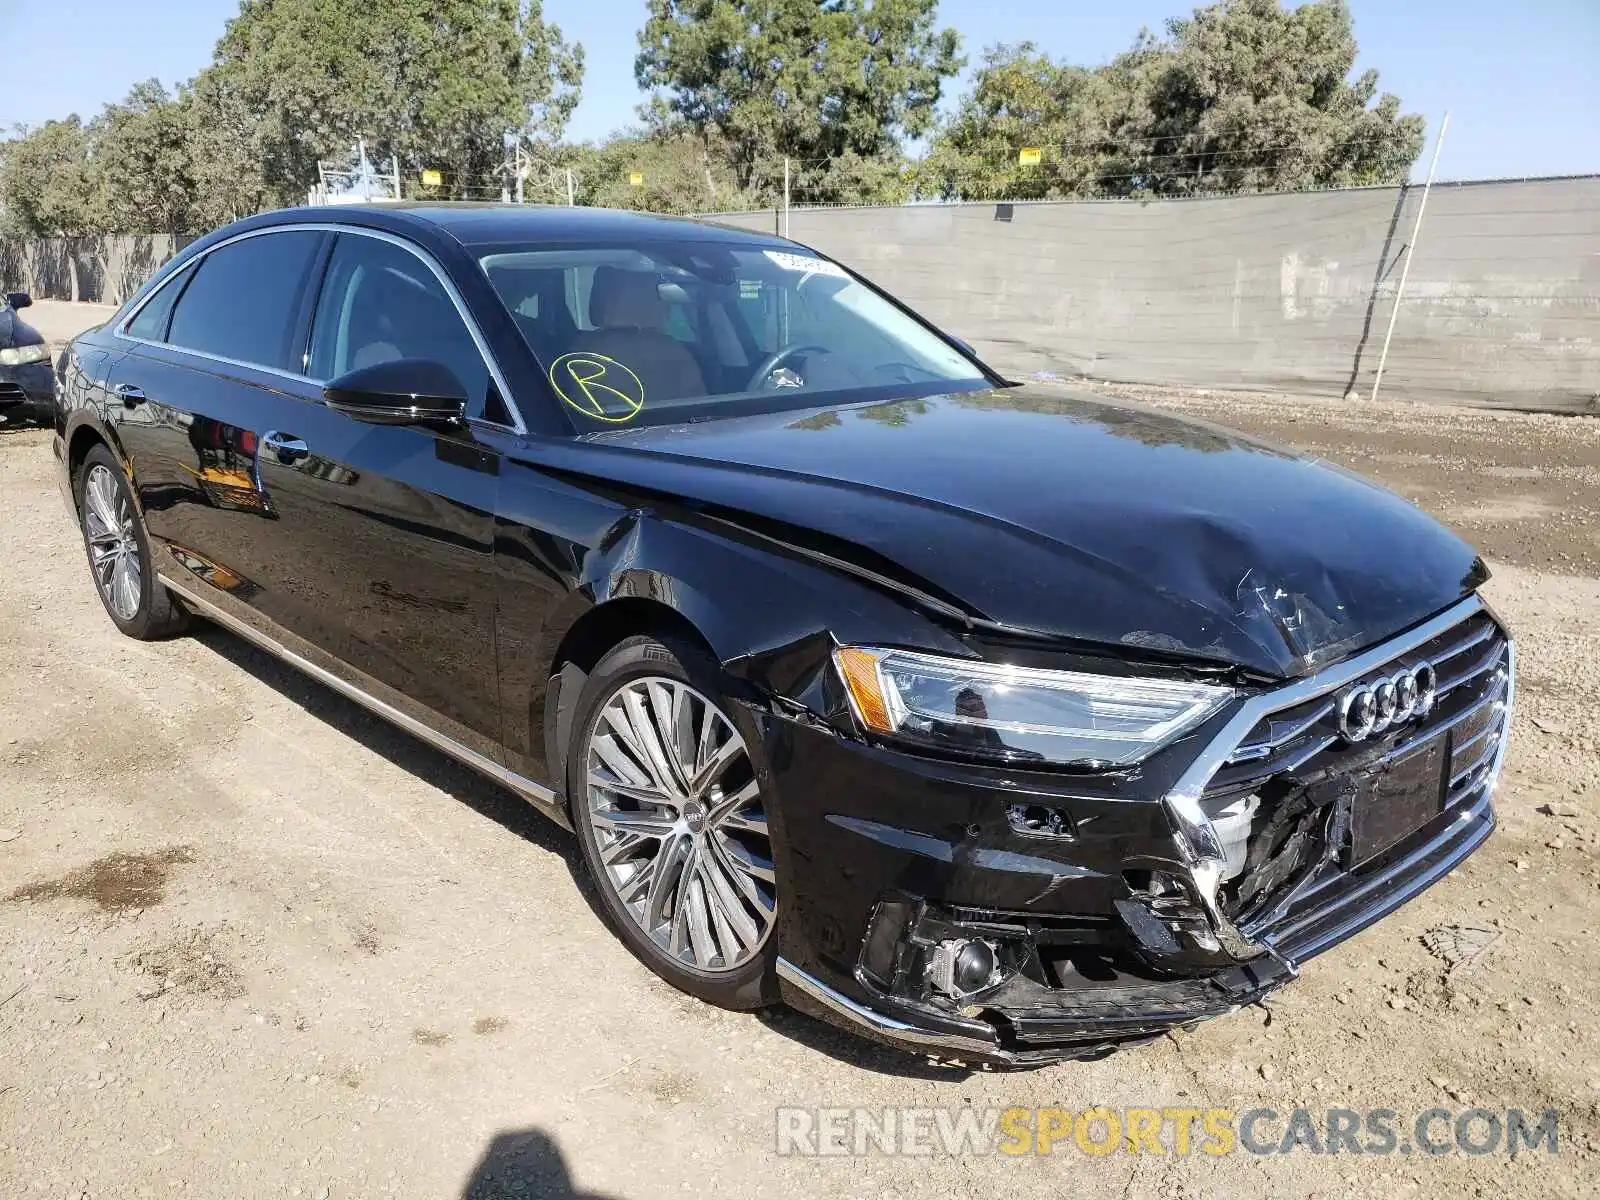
1471	662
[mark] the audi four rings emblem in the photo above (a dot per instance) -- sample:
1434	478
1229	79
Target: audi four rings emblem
1374	706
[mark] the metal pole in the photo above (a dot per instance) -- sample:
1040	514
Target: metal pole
785	195
1411	253
394	169
571	203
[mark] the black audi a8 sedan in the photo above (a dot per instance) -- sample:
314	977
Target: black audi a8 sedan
1000	723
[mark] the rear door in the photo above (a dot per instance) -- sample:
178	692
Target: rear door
210	354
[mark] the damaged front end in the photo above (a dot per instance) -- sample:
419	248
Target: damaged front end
999	920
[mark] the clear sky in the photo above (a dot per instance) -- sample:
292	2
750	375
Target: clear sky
1521	78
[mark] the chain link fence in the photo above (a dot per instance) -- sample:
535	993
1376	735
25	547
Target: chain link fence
1285	291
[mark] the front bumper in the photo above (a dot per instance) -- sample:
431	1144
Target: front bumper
27	393
1092	1024
888	854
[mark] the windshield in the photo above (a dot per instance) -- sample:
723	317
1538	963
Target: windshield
684	330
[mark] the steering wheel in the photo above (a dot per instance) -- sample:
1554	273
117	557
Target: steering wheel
772	362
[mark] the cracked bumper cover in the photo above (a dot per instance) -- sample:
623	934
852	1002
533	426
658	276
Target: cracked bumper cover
885	846
1090	1024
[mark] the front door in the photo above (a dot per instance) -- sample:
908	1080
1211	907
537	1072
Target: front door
382	544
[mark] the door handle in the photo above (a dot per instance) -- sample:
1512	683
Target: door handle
287	447
131	395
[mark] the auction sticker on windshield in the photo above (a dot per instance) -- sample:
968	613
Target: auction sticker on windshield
804	262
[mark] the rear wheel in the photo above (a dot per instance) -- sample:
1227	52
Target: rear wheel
119	551
667	800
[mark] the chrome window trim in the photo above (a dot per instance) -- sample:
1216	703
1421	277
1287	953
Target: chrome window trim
519	426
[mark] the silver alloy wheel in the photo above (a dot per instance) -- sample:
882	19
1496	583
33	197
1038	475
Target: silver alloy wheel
678	819
113	545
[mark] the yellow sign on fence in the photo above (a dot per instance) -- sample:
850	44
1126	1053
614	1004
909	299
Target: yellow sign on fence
1030	156
636	178
432	179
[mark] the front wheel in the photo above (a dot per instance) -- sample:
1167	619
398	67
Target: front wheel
119	551
667	801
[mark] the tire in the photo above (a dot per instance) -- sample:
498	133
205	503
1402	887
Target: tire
120	563
707	927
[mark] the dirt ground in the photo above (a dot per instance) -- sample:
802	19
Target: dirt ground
253	942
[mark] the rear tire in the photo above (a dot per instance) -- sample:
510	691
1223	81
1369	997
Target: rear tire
681	851
120	562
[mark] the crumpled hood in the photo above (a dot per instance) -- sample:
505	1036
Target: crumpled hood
1083	518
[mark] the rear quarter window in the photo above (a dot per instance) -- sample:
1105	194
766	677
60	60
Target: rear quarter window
151	323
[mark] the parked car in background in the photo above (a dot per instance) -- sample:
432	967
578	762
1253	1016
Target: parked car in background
27	380
996	722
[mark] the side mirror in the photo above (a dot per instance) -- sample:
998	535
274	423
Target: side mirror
18	299
403	391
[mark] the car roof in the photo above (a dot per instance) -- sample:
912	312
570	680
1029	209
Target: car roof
489	224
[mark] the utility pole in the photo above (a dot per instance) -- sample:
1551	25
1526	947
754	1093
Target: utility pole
1411	253
785	195
571	203
394	170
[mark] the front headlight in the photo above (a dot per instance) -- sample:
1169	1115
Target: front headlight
1020	712
16	356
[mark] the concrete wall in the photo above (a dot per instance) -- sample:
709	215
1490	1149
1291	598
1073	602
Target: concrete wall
105	270
1281	291
1287	291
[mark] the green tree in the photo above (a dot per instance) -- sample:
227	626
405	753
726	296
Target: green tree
141	163
679	171
1242	96
227	155
823	82
452	85
47	184
1020	98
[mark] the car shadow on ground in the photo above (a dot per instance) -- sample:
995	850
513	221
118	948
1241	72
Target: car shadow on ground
521	1164
407	752
515	814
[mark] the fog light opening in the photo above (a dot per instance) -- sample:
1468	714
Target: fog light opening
1039	820
1164	914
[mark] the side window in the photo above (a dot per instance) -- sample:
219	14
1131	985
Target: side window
380	302
151	323
245	299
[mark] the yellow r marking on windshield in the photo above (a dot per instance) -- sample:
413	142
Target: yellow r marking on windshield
594	379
